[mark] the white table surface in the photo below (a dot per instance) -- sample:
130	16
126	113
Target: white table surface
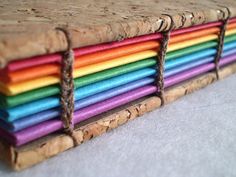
194	137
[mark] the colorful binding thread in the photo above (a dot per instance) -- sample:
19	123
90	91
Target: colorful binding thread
67	87
161	60
221	37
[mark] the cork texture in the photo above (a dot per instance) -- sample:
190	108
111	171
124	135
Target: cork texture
28	28
49	146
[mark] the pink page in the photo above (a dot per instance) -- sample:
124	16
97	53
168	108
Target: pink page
52	58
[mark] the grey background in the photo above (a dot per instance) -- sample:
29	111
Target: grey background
194	137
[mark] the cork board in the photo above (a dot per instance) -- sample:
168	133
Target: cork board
51	145
27	28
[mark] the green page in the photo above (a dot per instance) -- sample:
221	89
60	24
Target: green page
11	101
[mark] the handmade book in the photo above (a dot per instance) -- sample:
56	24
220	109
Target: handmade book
73	70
